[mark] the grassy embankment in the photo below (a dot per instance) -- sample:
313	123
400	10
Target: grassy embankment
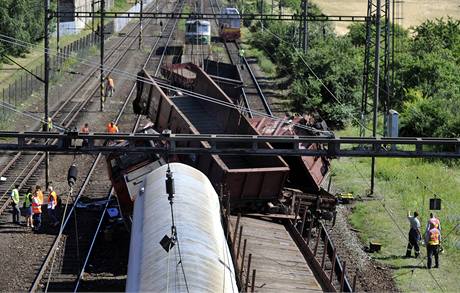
402	185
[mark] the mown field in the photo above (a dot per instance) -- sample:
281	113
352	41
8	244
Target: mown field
406	185
413	12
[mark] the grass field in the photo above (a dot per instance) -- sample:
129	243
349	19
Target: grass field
413	12
402	185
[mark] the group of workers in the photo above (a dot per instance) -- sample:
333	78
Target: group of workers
32	203
432	238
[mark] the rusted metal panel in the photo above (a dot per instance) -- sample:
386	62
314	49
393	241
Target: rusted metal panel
307	173
245	177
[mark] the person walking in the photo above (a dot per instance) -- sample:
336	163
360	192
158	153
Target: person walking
37	211
241	54
15	199
110	86
27	208
85	129
414	235
433	241
112	128
52	204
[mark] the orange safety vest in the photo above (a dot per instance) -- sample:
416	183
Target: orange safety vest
434	237
110	82
52	200
112	129
36	206
85	130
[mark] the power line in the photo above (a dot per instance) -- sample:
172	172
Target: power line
162	84
317	77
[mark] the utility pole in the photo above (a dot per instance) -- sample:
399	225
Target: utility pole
47	80
92	15
305	26
376	84
141	3
57	33
101	35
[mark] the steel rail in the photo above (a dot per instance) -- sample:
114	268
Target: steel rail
256	83
243	16
136	125
75	113
56	243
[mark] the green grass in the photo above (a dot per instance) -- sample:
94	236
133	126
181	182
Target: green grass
181	23
397	191
265	64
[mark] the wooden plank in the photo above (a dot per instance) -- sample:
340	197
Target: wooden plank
279	263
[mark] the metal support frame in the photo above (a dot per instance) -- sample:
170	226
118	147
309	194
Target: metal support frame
376	11
303	28
246	144
47	80
211	16
141	3
101	35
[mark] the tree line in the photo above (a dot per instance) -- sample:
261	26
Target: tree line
426	84
22	20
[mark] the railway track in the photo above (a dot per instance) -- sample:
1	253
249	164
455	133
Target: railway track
31	165
70	261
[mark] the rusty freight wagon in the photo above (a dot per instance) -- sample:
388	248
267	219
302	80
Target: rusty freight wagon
250	181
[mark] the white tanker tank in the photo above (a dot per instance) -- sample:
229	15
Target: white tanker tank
205	256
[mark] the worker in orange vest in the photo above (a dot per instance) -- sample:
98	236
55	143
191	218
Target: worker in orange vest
52	205
110	86
433	241
112	128
37	211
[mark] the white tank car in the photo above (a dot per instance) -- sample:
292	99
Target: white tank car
206	258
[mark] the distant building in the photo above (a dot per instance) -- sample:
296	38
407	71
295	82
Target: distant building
73	25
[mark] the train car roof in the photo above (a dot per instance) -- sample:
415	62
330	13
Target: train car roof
230	10
203	22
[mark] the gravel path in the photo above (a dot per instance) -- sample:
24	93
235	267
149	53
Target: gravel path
372	276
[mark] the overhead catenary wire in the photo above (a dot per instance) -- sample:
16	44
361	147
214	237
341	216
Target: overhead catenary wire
28	114
300	54
163	84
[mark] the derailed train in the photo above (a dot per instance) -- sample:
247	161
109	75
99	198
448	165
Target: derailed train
198	260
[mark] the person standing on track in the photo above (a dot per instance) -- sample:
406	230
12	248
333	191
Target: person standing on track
52	204
433	241
15	199
241	54
27	207
85	129
112	128
39	193
110	86
414	235
37	211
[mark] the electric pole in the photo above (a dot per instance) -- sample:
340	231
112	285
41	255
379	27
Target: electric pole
47	80
57	34
376	85
101	35
305	26
141	3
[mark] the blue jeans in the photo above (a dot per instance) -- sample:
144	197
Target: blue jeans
37	218
52	215
16	213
